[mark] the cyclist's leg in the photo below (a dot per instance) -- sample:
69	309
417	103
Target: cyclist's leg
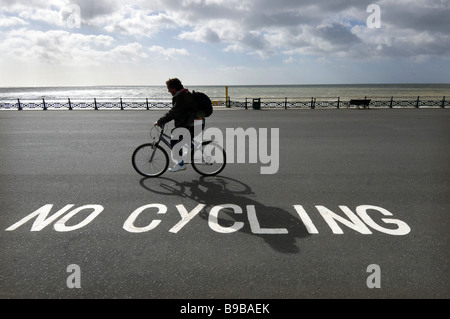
174	142
194	129
197	134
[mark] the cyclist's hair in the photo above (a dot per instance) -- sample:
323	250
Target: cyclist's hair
174	84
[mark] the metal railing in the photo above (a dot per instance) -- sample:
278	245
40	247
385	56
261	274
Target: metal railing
255	103
317	102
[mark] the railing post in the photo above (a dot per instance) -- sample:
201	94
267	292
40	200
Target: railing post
44	106
246	103
417	102
339	101
121	104
70	105
95	104
227	98
313	103
392	101
285	103
19	106
146	102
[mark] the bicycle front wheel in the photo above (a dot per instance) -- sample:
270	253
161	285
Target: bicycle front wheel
212	161
150	160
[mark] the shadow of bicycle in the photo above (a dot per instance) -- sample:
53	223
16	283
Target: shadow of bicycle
220	190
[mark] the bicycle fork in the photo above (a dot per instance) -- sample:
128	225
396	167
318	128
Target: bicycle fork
154	144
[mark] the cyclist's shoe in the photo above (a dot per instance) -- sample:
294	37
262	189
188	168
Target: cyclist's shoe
177	168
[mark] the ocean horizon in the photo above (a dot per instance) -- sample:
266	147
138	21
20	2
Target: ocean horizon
235	92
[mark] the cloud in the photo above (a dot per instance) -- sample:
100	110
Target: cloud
327	29
264	27
419	15
168	54
286	31
57	47
202	34
6	22
129	20
94	9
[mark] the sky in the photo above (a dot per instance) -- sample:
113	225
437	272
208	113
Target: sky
223	42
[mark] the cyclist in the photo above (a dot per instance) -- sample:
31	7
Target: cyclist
183	113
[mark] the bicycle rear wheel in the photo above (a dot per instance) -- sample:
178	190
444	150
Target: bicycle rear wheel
150	160
213	159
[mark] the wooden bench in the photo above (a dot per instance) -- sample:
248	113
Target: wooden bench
364	103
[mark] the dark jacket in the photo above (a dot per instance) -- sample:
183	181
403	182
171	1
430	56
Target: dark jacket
183	110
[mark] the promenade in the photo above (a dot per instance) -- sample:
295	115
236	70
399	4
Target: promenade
359	208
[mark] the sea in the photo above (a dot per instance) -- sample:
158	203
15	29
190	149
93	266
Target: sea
235	92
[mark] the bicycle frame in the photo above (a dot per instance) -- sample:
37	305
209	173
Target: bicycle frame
152	160
166	139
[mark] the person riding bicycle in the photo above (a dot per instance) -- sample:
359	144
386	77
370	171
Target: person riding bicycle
183	112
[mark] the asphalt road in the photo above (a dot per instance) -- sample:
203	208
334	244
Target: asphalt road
358	208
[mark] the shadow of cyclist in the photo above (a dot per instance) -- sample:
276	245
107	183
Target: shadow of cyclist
220	190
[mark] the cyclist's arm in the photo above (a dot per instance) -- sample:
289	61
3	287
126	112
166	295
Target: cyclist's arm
179	110
169	116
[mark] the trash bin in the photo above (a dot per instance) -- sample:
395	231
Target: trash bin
256	104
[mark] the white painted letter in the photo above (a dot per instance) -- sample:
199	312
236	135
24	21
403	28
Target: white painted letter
306	220
354	223
41	220
402	229
214	223
256	228
60	225
185	216
129	223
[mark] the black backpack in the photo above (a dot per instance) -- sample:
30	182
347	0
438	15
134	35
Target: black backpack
204	104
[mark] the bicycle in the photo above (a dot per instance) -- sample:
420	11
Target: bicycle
152	160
